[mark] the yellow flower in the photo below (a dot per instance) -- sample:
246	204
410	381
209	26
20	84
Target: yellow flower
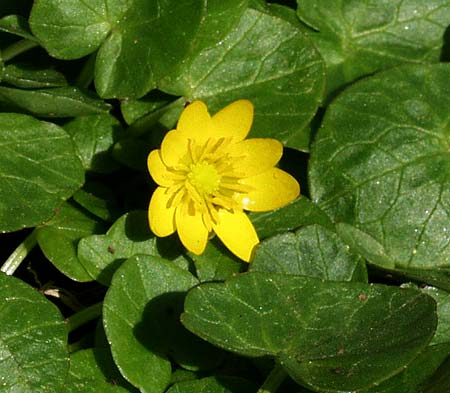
208	173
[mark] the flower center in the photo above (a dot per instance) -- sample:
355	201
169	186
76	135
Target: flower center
204	177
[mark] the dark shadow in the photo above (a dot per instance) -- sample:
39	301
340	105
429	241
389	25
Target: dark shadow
162	333
445	54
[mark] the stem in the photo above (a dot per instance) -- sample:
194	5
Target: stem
17	48
273	380
84	316
19	254
86	76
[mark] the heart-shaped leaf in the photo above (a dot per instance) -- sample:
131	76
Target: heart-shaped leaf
130	235
299	213
358	39
312	251
33	340
38	169
93	371
141	320
330	336
266	60
380	166
58	239
138	40
94	137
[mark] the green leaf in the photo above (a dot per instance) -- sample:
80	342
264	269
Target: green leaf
93	370
214	385
98	200
266	60
132	110
55	102
58	239
440	381
330	336
299	213
33	336
380	164
31	77
356	38
415	374
312	251
101	255
141	320
442	299
138	41
216	263
94	137
18	25
39	170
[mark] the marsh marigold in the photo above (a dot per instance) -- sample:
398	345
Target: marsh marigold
208	174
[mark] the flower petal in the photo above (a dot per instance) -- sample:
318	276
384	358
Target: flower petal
174	148
254	156
158	169
233	121
160	217
270	190
236	231
191	229
195	122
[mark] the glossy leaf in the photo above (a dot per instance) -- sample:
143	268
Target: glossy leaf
416	373
130	235
216	263
357	38
98	200
38	168
266	60
137	40
299	213
93	370
330	336
141	320
214	385
442	299
18	25
380	166
56	102
312	251
58	239
33	353
94	137
29	77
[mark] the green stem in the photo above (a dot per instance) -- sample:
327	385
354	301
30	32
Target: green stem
19	254
84	343
273	380
84	316
86	76
17	48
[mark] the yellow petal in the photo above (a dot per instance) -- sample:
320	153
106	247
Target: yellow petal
234	121
236	231
191	229
255	156
174	148
158	169
161	218
195	122
270	190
